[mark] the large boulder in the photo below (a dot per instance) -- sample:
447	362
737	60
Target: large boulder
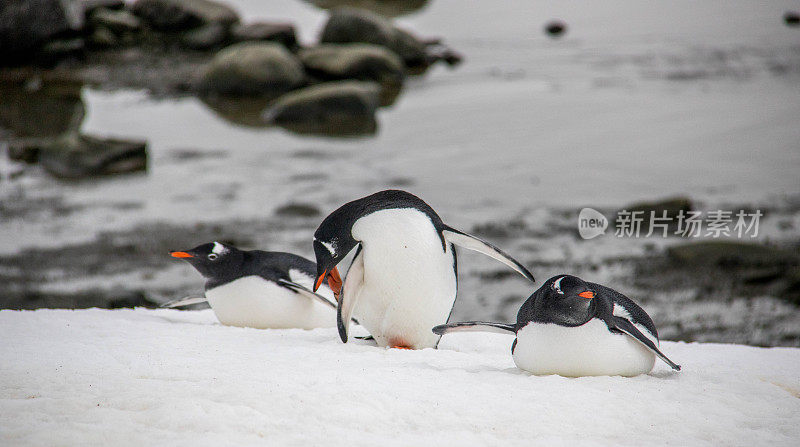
26	25
386	8
76	156
364	62
252	68
182	15
37	112
341	108
348	25
282	33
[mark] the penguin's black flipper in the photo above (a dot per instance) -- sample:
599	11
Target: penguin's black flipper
627	327
187	301
473	243
302	290
475	326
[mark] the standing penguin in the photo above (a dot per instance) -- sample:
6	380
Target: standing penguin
575	328
261	289
402	280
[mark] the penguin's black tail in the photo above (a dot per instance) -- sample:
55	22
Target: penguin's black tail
475	326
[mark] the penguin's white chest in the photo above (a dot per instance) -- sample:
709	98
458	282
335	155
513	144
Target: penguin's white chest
252	301
408	284
586	350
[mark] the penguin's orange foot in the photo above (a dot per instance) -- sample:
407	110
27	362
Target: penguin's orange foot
402	347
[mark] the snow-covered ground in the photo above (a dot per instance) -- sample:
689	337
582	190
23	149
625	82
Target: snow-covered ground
166	377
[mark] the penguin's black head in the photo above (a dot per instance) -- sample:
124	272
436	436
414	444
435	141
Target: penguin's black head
566	300
213	260
333	239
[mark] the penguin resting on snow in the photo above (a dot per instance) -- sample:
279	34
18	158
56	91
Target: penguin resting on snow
261	289
402	280
575	328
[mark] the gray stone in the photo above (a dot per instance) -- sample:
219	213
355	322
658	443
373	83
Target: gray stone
182	15
204	37
386	8
730	254
77	156
27	24
252	68
343	108
364	62
282	33
116	21
671	206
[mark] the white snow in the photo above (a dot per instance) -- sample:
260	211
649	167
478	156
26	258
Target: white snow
168	377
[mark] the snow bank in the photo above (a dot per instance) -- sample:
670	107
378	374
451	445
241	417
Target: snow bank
143	377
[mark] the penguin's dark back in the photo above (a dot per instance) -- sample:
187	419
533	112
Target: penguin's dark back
346	215
275	265
638	315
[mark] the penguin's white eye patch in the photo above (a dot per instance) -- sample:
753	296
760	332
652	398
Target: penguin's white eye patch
212	256
557	285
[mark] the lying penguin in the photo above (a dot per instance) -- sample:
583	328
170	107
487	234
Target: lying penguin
574	328
261	289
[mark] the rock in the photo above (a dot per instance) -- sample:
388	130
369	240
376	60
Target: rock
204	37
77	156
252	68
25	25
25	153
241	110
672	206
386	8
343	108
116	21
555	28
36	112
282	33
182	15
297	210
363	62
791	18
730	254
103	38
348	25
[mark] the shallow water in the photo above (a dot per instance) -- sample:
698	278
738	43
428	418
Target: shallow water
635	102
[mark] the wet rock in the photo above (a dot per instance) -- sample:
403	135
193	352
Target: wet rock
252	68
297	210
77	156
363	62
555	28
671	206
116	21
791	18
730	254
282	33
386	8
37	112
240	110
204	37
344	108
182	15
26	25
348	25
108	299
25	153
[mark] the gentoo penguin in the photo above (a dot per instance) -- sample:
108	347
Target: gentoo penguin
575	328
402	280
261	289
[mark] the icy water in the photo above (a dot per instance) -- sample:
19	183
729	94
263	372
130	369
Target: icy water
636	102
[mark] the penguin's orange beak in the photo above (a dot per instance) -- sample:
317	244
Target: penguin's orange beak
180	254
587	294
334	282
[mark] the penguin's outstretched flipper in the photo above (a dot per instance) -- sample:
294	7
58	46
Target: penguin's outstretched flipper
627	327
473	243
474	326
187	301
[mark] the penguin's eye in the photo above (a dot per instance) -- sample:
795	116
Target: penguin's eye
212	256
